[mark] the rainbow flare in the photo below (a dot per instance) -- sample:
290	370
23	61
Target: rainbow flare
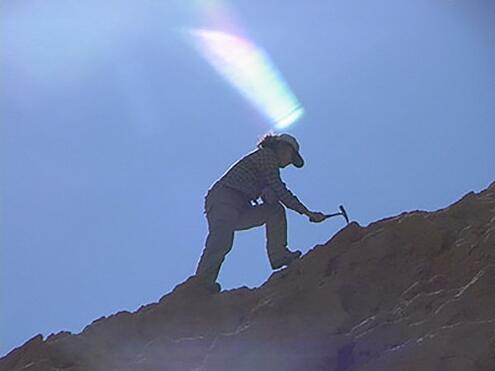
250	70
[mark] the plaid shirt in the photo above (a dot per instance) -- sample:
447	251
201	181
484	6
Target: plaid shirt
257	170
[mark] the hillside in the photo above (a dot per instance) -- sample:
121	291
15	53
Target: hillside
411	292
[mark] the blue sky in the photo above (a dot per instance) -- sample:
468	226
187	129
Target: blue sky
113	128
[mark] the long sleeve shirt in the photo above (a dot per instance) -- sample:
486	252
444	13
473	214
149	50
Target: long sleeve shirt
257	170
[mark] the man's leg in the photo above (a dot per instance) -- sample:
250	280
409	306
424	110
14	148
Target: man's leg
275	218
221	224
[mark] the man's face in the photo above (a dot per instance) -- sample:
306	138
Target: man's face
285	155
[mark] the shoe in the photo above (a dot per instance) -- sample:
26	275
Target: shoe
286	259
200	283
214	288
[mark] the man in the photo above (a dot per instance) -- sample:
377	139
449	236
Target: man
229	208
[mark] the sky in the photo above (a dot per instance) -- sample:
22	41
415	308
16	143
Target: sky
113	127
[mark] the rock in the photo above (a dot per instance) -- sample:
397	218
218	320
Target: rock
411	292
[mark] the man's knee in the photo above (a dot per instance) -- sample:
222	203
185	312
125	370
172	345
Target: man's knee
220	238
222	227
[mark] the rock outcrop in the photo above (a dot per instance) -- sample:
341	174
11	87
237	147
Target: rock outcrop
411	292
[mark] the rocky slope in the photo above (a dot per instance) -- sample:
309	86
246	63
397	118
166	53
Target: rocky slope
412	292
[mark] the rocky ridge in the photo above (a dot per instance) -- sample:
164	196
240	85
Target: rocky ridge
411	292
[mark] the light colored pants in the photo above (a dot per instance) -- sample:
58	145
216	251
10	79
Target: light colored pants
228	211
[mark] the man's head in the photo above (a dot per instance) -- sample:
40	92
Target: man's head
291	142
286	147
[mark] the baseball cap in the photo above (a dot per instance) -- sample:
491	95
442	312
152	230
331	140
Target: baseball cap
297	160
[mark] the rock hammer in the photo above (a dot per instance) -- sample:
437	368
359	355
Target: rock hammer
342	212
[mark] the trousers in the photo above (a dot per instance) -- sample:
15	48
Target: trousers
228	210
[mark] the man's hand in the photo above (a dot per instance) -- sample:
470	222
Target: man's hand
316	217
268	195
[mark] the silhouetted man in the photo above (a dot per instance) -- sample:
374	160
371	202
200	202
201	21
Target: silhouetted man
229	206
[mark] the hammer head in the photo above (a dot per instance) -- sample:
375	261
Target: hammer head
344	213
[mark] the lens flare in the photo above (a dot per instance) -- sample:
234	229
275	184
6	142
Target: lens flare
250	70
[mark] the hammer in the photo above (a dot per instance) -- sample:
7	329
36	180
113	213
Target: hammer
342	212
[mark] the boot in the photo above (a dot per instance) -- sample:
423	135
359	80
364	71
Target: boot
286	259
211	287
198	284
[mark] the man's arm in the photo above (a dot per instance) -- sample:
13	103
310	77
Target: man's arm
273	180
289	199
271	173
